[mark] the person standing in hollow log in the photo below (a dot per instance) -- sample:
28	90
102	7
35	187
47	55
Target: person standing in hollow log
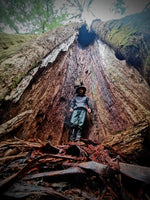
80	104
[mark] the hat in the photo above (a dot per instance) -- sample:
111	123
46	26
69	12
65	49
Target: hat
81	87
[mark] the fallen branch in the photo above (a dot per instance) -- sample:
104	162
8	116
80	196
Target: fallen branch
59	173
98	168
23	190
14	123
11	158
136	172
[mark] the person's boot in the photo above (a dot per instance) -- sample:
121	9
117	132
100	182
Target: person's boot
78	135
73	133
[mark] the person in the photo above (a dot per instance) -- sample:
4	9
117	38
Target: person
79	106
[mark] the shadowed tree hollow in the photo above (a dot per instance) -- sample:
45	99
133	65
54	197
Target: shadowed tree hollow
85	37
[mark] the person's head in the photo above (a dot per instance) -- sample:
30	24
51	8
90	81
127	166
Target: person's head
81	90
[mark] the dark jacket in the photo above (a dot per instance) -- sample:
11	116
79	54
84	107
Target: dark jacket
80	102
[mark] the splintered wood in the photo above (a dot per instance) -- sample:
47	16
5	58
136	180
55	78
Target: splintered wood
76	170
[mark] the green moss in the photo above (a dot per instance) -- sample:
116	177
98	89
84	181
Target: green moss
120	36
11	43
34	65
120	32
16	81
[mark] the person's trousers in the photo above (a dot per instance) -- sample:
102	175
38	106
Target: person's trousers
78	117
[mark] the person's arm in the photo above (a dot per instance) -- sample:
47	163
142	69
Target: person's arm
72	104
89	105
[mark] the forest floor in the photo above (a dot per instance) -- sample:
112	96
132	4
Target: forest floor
75	170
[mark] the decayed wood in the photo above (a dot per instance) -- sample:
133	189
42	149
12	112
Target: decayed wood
136	172
98	168
129	141
49	164
10	158
14	122
24	190
117	101
20	143
27	167
59	173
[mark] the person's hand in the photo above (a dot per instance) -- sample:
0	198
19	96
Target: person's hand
71	110
89	110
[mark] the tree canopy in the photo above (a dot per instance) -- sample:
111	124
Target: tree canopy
36	15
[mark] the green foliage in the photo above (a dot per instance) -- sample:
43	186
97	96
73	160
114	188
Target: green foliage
77	7
55	22
36	15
